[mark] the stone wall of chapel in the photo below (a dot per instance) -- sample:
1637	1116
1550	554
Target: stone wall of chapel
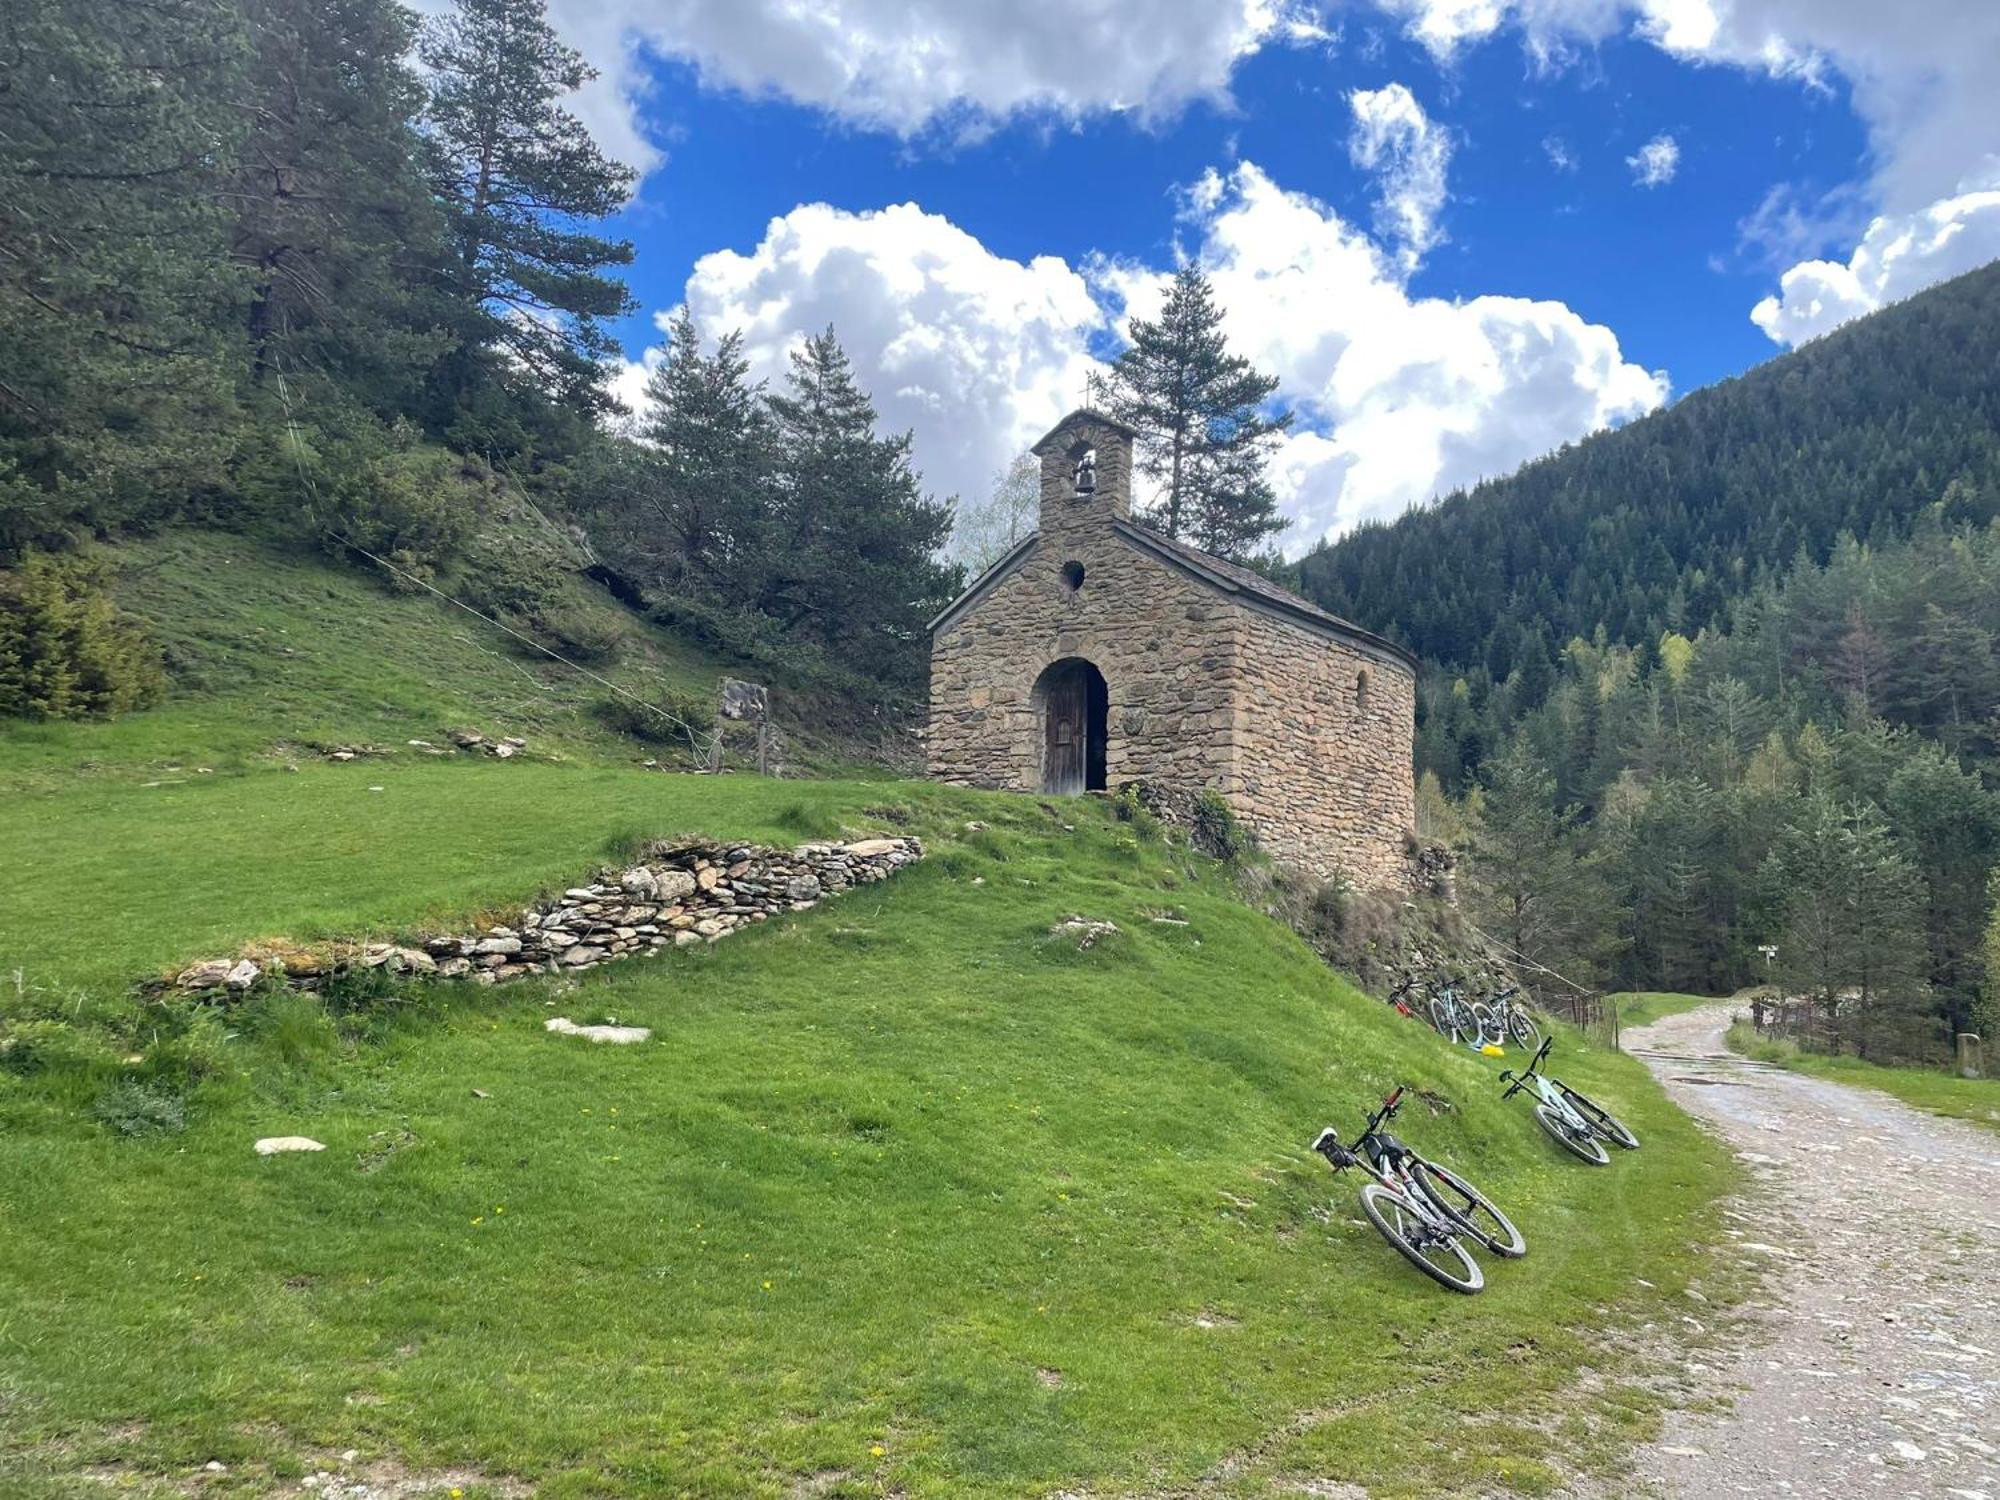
1167	647
1327	734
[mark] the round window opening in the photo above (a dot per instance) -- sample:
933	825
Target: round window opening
1072	575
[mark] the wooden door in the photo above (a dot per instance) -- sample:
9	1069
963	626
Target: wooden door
1067	734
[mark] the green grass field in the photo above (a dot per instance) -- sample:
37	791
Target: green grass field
1932	1089
905	1196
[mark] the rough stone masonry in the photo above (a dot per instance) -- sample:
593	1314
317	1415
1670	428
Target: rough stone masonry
676	894
1196	673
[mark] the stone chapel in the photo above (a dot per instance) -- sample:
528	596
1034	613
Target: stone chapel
1098	652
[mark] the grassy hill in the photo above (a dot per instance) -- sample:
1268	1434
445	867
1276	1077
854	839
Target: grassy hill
275	653
905	1196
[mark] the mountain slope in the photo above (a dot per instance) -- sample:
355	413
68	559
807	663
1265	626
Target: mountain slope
907	1195
1662	524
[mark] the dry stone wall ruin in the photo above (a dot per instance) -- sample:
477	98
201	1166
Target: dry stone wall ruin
677	894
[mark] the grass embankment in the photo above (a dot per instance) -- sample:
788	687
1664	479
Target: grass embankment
1642	1007
1932	1089
905	1196
274	652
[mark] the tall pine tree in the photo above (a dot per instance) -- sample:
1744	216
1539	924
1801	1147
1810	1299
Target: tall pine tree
708	427
521	181
115	293
855	560
1198	409
333	224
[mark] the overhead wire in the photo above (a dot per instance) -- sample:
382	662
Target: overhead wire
702	747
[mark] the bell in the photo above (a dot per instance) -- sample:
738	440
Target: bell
1086	474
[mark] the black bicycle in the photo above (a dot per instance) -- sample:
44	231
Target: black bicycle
1575	1122
1420	1206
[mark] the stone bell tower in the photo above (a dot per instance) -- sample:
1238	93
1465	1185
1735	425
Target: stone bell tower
1086	472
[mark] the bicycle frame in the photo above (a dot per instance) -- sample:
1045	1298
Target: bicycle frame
1373	1156
1549	1090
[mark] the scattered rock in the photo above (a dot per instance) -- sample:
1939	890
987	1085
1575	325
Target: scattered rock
467	739
279	1145
1085	930
505	752
617	1036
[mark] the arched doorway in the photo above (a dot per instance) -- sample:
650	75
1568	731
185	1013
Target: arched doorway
1073	703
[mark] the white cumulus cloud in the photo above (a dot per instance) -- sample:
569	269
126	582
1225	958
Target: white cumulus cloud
1899	254
1393	138
976	353
1655	163
903	65
1399	397
1922	75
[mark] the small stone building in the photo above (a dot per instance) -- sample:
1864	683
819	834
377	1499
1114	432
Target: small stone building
1098	651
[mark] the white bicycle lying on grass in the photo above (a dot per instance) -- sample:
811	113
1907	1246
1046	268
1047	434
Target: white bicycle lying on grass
1578	1125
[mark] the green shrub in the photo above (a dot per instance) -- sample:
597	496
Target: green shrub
642	723
1131	808
132	1108
1215	830
579	634
66	652
49	1046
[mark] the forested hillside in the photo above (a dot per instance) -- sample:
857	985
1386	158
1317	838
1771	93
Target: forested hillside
330	277
1726	680
1663	524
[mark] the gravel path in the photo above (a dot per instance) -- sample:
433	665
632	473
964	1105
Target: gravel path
1879	1372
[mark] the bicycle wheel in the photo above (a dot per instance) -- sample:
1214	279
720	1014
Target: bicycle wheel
1526	1032
1438	1256
1601	1119
1464	1204
1443	1011
1485	1026
1585	1145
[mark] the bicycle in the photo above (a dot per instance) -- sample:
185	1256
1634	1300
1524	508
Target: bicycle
1402	1000
1420	1207
1457	1018
1511	1019
1579	1126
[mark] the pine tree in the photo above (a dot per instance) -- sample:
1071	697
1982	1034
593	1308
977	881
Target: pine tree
521	180
1853	935
854	563
1198	409
712	478
114	289
1529	883
333	223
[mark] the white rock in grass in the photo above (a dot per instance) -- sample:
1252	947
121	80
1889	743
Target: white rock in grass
617	1035
277	1145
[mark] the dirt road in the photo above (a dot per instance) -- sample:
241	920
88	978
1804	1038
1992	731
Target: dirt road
1878	1373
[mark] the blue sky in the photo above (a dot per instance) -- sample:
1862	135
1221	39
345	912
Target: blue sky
1460	233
